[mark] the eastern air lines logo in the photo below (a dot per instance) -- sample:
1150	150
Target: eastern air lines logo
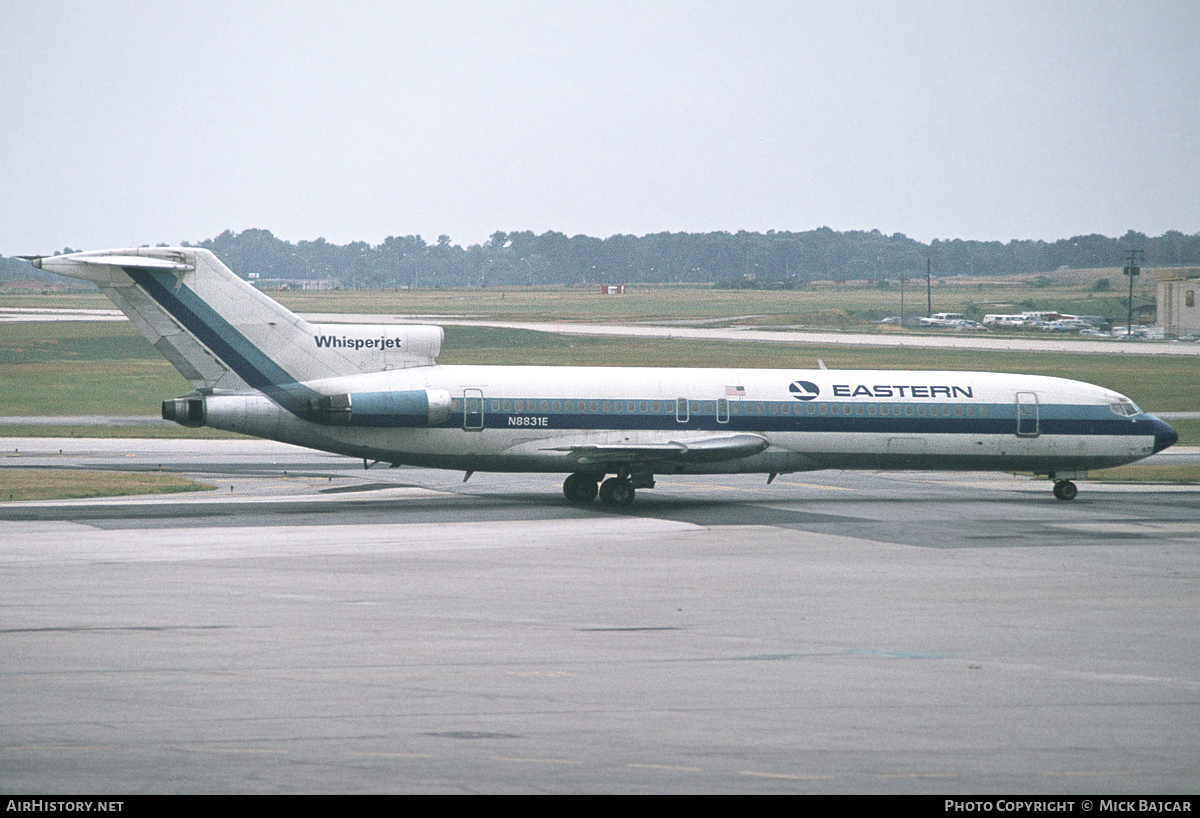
804	390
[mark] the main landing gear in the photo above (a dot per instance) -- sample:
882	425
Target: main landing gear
581	488
1065	490
615	492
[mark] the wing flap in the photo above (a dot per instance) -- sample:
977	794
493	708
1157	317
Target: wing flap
705	450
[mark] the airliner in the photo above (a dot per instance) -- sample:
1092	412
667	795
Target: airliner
376	392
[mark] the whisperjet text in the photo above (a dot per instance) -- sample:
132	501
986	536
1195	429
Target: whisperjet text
358	343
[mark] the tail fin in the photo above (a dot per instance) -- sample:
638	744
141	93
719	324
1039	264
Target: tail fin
223	334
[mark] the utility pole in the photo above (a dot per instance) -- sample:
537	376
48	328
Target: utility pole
1131	269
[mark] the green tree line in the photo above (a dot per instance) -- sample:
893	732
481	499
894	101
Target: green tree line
774	258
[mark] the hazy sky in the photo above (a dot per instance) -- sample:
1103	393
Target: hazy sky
135	122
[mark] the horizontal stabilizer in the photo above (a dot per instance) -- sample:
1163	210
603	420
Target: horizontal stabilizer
63	264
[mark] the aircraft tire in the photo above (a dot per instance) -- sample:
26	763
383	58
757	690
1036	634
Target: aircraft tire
616	492
1065	490
580	488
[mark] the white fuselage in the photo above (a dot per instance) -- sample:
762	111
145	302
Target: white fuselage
531	418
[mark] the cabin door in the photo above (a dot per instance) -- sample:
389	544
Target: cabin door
1027	414
473	410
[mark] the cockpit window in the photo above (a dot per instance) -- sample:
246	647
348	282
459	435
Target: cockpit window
1125	408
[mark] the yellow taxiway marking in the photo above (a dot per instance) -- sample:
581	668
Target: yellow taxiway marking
239	751
537	760
553	674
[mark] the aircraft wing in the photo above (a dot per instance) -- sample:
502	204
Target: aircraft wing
707	450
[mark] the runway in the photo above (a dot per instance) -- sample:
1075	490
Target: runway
309	626
920	339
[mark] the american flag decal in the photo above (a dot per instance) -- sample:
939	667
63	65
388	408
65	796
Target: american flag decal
739	391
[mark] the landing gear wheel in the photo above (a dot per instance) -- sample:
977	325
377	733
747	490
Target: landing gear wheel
580	488
1065	490
616	492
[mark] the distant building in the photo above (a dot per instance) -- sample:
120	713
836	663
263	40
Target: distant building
1179	300
612	289
282	284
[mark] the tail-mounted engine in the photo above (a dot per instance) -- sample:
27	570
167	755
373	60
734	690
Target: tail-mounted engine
407	408
413	407
186	411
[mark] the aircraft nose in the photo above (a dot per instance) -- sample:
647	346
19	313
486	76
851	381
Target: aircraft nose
1164	435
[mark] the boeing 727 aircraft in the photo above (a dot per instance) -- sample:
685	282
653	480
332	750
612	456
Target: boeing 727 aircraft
377	393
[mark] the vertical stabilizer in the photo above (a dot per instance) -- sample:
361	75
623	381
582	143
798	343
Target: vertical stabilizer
221	333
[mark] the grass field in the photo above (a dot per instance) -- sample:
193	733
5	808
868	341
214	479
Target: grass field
61	484
824	304
81	368
829	304
1139	473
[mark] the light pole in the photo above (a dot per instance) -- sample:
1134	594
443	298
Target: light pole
1131	269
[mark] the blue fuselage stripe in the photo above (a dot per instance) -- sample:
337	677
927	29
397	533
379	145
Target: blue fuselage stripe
1057	419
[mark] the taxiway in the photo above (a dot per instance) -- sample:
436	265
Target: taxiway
312	627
